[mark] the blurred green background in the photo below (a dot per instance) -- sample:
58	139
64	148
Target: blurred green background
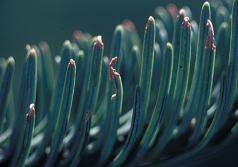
31	21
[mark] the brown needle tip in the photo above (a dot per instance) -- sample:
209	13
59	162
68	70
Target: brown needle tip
210	43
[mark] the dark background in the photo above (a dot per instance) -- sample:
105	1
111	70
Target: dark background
31	21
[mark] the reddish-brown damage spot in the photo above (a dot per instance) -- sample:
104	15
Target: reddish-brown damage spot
98	42
113	73
186	22
32	52
210	43
149	23
150	19
71	62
